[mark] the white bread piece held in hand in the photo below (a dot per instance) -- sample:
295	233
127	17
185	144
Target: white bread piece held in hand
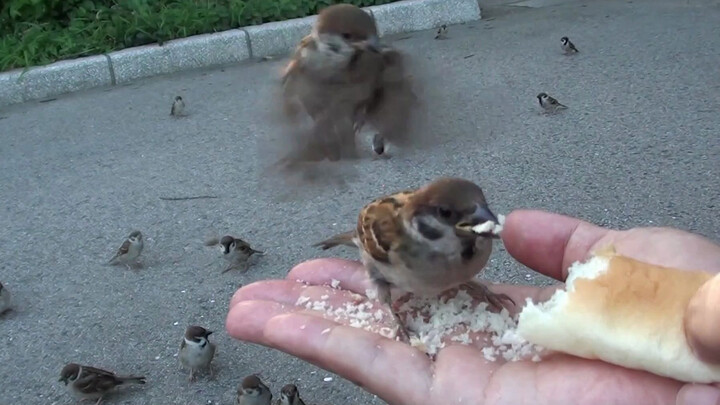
624	312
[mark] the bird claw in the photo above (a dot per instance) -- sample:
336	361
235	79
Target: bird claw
482	292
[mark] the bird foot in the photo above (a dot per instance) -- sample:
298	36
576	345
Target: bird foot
482	293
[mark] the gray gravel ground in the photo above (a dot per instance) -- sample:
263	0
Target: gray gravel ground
638	147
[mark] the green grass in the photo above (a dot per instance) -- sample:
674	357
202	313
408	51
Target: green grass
38	32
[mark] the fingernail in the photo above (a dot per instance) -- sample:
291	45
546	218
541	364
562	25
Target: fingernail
692	394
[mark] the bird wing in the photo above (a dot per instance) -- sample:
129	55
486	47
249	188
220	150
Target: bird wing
380	226
94	380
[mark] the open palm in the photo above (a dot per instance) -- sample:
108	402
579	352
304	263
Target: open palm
266	313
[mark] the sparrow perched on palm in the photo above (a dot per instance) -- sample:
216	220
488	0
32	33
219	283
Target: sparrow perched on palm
425	241
196	350
342	77
5	299
129	251
567	45
549	104
91	383
252	391
289	395
235	250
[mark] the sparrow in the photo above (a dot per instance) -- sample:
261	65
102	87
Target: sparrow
567	45
422	241
196	351
378	144
235	250
441	32
548	103
5	298
90	383
289	395
252	391
129	251
342	77
178	107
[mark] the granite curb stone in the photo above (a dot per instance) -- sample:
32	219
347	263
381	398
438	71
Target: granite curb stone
418	15
189	53
215	49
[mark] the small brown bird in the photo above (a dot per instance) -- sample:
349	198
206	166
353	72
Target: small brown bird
236	251
441	32
549	104
342	77
252	391
90	383
196	351
129	251
422	241
289	395
178	107
567	45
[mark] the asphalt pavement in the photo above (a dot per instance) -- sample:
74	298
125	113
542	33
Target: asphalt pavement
638	146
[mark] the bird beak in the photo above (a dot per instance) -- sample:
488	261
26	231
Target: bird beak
256	251
481	215
209	333
62	379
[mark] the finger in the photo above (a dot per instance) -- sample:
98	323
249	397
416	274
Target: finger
693	394
345	274
247	320
701	322
549	243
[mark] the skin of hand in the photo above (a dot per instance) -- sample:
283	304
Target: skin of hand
265	313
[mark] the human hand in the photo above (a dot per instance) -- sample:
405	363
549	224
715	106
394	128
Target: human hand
265	313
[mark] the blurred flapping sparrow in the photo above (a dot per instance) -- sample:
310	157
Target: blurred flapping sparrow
129	251
422	242
342	77
235	250
289	395
90	383
5	299
196	351
252	391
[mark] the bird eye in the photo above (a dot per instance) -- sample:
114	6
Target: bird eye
444	212
346	35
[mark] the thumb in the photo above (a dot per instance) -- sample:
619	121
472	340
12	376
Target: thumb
702	322
694	394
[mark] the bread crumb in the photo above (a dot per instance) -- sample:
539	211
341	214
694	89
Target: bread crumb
301	300
325	331
334	283
490	226
371	293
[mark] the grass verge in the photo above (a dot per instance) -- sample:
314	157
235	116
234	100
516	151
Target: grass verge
38	32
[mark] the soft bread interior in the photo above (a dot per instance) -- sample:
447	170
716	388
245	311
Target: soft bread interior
624	312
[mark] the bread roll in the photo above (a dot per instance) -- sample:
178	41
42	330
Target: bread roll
624	312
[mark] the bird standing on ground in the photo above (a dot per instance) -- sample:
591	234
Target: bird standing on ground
422	241
236	251
252	391
90	383
548	103
129	251
178	107
289	395
196	351
441	32
567	45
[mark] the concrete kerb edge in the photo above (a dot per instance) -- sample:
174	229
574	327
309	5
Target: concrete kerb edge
216	49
